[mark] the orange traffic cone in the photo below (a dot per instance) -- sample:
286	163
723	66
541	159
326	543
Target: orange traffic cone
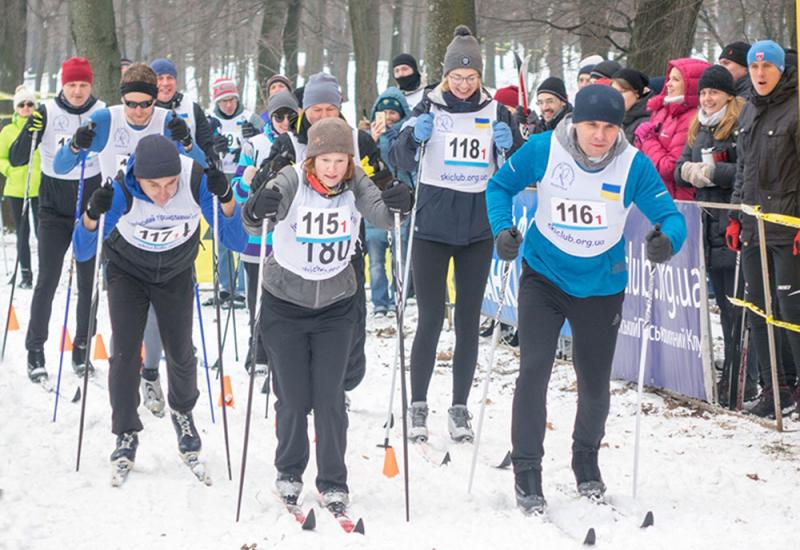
390	468
228	391
100	353
13	324
141	354
67	342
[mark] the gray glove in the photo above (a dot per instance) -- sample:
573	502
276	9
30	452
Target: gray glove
699	174
659	247
507	244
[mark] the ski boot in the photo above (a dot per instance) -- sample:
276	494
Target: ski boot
765	406
417	420
26	280
458	423
587	475
188	439
36	370
152	396
335	499
79	360
289	487
123	457
528	492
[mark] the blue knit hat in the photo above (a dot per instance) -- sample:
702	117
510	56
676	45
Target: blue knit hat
769	51
164	66
598	102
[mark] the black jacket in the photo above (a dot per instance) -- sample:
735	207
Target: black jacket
540	126
768	164
444	215
715	221
635	116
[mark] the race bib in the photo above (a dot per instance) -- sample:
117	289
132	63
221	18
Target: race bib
323	225
63	139
164	237
467	149
577	214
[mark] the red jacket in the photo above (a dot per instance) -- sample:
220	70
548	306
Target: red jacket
662	140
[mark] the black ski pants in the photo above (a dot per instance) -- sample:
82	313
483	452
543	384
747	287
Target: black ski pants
24	229
128	301
308	350
543	308
430	262
357	361
55	236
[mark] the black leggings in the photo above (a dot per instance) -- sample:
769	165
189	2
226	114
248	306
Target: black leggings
430	261
24	230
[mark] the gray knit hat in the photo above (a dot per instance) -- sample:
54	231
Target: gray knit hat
330	135
282	100
464	52
156	157
322	88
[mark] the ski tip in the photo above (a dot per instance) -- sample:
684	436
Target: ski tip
77	396
590	538
649	520
310	522
359	528
506	462
446	460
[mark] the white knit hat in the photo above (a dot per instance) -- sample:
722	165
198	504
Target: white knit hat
23	94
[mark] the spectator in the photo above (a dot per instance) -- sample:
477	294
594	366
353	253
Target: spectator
553	103
734	58
408	78
633	85
603	72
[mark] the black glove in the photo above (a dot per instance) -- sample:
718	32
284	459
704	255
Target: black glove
281	161
265	203
398	198
100	202
507	244
249	131
179	130
218	184
659	247
220	145
83	136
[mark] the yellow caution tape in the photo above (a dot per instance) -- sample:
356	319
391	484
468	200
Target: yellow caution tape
780	219
761	313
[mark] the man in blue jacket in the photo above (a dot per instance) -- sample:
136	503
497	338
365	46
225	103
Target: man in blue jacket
574	269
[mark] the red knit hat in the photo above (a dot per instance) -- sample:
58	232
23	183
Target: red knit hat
508	96
224	87
76	69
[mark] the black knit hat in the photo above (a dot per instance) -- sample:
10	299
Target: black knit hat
605	69
598	102
736	52
586	69
636	79
718	78
555	86
405	59
156	157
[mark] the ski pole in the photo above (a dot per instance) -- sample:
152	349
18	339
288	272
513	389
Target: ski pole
90	331
3	234
26	201
227	325
648	310
69	289
231	295
256	333
733	376
203	343
489	368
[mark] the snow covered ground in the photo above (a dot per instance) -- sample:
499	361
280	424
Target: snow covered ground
713	481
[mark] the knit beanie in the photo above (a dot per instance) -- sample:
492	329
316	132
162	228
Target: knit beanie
76	69
23	94
329	135
769	51
597	102
156	157
322	88
718	78
389	102
508	96
405	59
606	69
277	78
636	79
224	87
164	66
736	52
463	52
282	100
586	69
555	86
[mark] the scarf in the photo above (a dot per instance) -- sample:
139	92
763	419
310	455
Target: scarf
711	121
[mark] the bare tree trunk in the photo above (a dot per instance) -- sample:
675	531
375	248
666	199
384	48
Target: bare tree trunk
662	30
270	46
139	29
41	58
443	17
13	29
555	45
291	36
415	45
364	24
95	37
489	70
594	20
397	38
313	32
339	52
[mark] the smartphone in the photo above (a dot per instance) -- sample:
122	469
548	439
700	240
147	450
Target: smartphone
380	118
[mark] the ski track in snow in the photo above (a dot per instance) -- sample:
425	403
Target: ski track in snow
697	469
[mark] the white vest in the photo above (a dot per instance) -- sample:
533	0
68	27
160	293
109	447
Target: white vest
60	128
123	138
459	154
258	148
154	228
186	111
300	149
319	235
415	97
582	213
231	128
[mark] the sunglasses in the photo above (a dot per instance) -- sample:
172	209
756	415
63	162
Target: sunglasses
280	117
143	104
26	104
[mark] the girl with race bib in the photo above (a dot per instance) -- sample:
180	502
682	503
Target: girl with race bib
466	134
309	312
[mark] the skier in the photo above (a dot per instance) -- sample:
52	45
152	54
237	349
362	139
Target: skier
466	133
563	279
151	236
55	121
408	78
272	85
310	310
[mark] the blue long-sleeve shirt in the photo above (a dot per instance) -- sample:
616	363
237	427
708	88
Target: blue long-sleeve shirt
65	159
600	275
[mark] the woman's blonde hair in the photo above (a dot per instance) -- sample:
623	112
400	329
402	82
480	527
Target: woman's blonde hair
725	126
308	167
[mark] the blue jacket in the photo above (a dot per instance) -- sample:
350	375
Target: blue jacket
388	138
601	275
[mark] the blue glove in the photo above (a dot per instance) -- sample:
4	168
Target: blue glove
501	135
423	128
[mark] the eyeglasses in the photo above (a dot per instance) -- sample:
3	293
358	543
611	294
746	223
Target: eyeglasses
549	102
142	104
28	104
457	79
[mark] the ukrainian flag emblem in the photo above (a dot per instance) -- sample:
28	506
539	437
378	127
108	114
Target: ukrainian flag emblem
610	191
482	123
